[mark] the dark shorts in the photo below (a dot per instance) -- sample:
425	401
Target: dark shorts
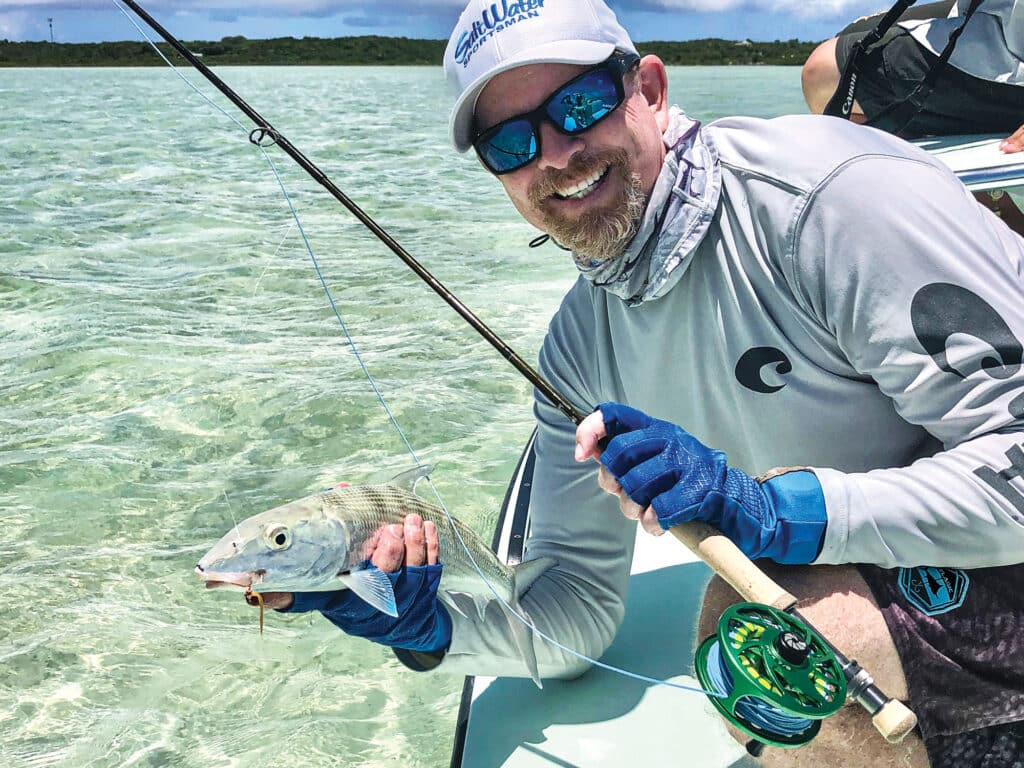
889	70
960	638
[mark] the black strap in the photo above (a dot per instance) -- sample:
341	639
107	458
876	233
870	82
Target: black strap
897	116
841	103
539	240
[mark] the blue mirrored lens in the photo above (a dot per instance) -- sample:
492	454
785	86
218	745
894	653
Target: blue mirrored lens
584	101
511	146
572	109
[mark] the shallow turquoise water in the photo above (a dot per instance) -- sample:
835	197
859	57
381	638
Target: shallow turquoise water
169	363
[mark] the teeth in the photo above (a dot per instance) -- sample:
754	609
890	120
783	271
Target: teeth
583	188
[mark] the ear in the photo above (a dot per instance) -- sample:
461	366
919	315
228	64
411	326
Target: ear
654	86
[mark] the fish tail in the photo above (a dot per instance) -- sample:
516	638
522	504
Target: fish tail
523	576
522	635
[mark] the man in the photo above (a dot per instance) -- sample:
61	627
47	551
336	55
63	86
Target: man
979	90
795	292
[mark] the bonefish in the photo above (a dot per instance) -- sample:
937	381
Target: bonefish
322	543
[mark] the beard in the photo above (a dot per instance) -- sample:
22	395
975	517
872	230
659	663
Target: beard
601	233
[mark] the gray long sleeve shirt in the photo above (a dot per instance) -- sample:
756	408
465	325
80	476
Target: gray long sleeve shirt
991	46
849	308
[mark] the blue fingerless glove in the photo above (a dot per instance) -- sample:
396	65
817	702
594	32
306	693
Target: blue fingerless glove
422	624
659	464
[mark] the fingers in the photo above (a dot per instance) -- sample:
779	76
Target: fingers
413	542
1014	142
389	553
630	509
433	543
620	419
607	481
649	520
588	434
647	517
276	600
370	545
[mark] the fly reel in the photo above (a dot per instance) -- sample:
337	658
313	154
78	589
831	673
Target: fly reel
777	679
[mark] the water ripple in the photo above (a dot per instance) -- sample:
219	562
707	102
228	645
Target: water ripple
168	363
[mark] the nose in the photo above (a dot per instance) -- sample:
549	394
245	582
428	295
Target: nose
199	567
557	149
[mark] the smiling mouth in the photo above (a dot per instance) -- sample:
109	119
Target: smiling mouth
582	188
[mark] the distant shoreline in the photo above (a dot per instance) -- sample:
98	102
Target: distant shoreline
366	51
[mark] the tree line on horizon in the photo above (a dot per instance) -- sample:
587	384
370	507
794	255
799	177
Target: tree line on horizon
364	50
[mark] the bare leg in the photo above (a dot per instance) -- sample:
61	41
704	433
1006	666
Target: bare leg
839	604
820	78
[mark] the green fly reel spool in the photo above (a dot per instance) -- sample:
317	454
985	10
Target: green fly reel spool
777	678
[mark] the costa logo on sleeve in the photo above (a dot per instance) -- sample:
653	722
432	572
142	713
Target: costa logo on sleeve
941	310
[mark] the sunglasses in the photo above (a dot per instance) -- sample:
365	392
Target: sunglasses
576	106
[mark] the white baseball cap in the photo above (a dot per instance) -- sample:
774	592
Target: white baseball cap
493	36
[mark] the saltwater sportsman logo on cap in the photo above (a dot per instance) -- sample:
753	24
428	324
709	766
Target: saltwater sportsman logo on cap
493	36
499	16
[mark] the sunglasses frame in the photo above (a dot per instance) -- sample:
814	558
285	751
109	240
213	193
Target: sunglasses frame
617	66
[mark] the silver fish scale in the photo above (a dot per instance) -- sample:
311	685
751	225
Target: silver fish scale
366	508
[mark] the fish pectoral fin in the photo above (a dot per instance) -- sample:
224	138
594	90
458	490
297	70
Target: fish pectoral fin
373	586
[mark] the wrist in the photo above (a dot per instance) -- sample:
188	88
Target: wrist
800	517
419	661
437	640
304	602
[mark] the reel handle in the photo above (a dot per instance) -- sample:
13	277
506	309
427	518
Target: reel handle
891	718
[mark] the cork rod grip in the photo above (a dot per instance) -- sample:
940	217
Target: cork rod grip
726	559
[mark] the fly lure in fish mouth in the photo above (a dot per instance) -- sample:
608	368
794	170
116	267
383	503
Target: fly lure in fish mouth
265	135
255	598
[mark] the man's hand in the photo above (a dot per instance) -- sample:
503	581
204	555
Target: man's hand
664	476
589	434
409	554
1014	142
279	601
395	545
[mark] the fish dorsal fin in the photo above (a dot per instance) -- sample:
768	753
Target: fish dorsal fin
373	586
407	480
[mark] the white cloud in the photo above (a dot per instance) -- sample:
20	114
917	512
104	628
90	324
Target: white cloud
823	8
804	8
258	7
250	8
14	24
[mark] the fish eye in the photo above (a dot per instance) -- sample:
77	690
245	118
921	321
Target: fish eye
278	537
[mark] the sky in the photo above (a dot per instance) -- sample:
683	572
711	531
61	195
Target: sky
75	21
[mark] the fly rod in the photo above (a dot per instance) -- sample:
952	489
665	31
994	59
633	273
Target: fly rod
264	131
893	719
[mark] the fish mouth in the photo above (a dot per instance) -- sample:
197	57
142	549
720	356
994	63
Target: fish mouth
244	581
